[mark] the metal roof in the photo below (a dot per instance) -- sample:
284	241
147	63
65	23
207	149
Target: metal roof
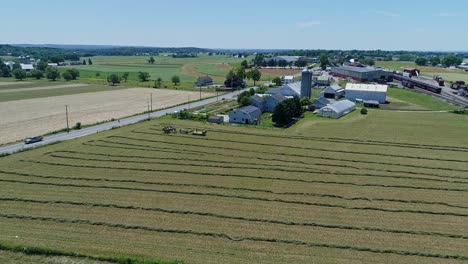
341	106
279	97
249	109
359	69
295	87
256	98
335	87
366	87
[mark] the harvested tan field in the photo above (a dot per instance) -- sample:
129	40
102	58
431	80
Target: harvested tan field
279	72
24	118
44	88
13	83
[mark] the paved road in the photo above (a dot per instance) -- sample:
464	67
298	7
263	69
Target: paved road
109	125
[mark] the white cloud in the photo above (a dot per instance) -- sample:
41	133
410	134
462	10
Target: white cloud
387	14
308	24
446	15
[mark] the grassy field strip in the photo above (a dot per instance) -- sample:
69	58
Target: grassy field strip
299	147
331	139
220	187
175	168
75	85
247	176
232	238
275	160
325	164
243	197
231	217
238	228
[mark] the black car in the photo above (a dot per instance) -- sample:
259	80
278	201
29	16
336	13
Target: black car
31	140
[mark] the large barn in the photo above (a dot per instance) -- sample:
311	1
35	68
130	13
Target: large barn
366	92
361	74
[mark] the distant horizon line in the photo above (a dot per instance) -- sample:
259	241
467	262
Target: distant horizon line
231	49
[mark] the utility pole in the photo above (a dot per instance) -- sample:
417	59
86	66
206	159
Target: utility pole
148	109
200	93
188	102
66	114
151	100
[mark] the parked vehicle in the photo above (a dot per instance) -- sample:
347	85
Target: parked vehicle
197	132
31	140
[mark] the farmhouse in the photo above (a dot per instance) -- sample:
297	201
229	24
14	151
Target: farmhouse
204	81
337	109
334	92
292	89
288	79
366	92
361	74
272	101
27	67
258	101
245	115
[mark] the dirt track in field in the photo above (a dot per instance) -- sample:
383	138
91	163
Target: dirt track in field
44	88
24	118
13	83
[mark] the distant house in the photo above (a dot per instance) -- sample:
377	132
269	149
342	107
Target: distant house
27	67
10	64
334	92
337	109
322	102
288	79
258	101
292	89
245	115
216	119
272	101
321	80
53	65
204	81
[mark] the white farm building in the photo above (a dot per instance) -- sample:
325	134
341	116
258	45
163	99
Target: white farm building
337	109
366	92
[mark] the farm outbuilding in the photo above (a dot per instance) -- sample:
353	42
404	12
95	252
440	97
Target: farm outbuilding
216	119
322	102
334	92
366	92
337	109
245	115
258	101
361	74
204	81
272	101
321	80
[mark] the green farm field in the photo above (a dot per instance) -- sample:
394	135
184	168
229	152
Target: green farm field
389	187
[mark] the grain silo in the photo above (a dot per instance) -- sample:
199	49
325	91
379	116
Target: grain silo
306	83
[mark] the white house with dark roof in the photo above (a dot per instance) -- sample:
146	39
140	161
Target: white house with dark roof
245	115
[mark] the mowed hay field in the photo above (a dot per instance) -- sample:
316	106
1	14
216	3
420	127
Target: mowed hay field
24	118
389	187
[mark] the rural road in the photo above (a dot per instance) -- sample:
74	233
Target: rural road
9	149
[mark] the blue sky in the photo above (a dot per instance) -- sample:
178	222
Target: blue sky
295	24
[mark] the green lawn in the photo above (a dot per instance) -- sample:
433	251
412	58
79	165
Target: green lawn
426	101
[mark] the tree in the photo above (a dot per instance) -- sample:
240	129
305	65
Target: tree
244	64
52	73
4	69
305	101
175	79
421	61
72	73
90	62
285	112
364	111
84	62
19	74
16	66
259	60
252	91
282	63
37	74
42	65
125	76
277	81
240	72
244	98
151	60
113	79
324	62
143	76
452	60
435	61
255	75
158	82
67	75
